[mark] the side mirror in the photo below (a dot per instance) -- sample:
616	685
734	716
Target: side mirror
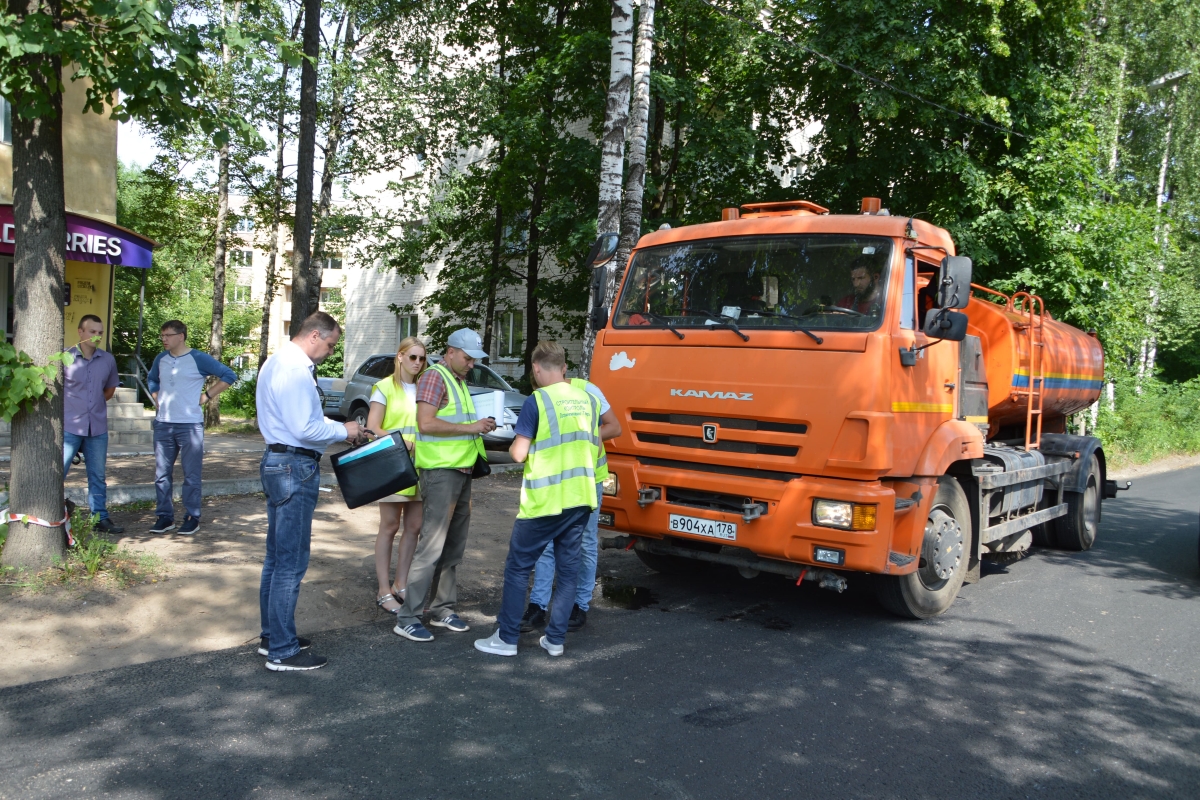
954	282
604	248
599	317
941	323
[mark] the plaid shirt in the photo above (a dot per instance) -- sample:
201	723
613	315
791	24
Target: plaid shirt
431	388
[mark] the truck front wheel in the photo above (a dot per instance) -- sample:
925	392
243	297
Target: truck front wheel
1077	530
945	554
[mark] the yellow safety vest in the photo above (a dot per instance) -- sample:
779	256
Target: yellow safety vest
450	451
560	471
400	414
602	462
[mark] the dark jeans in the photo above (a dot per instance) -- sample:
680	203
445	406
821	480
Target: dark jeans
184	440
446	498
290	482
529	539
95	454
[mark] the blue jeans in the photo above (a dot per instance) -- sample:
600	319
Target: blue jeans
290	482
184	440
529	539
95	454
543	574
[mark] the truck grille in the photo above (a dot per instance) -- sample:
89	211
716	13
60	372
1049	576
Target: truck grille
726	446
711	501
725	422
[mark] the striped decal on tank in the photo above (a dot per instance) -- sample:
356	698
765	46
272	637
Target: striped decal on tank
1060	380
923	408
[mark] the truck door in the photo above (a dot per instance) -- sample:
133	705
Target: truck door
924	391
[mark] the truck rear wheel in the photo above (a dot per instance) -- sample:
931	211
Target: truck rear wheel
945	554
1077	530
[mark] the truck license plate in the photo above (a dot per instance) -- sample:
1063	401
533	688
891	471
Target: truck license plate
711	528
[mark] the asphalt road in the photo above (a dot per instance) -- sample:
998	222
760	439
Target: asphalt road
1066	675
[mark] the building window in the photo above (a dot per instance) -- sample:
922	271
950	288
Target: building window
239	294
332	262
5	122
244	225
241	258
510	334
406	326
331	296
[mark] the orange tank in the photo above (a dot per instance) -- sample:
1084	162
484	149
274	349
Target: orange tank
1012	333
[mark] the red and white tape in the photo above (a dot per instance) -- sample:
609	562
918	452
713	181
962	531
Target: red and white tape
28	519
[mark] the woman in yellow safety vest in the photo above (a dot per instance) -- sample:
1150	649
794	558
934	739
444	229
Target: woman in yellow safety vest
394	408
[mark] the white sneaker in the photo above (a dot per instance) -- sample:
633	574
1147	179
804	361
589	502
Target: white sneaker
552	649
495	645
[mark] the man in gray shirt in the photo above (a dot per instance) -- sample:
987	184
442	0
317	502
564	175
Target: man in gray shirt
176	382
89	382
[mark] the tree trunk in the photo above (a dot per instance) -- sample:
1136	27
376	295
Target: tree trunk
532	269
489	313
635	179
333	140
305	158
216	335
39	212
612	144
264	337
1150	343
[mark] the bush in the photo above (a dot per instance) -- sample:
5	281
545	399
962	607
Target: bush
239	398
1163	419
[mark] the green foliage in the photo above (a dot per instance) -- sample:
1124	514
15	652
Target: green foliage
179	212
1163	419
239	398
23	382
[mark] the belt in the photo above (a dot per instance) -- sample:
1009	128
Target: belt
300	451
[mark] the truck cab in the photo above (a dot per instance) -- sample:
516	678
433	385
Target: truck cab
799	395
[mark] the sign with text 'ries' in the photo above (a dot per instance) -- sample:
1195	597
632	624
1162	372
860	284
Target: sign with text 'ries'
88	240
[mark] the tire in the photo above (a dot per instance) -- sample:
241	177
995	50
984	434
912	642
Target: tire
1077	530
359	415
667	565
945	556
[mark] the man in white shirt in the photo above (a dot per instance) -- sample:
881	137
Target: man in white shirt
297	433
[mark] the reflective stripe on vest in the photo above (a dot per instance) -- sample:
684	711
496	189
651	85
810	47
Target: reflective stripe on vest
400	414
560	470
452	451
602	463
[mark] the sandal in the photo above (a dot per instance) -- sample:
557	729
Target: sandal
398	594
379	601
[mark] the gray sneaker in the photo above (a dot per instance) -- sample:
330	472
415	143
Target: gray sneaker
495	645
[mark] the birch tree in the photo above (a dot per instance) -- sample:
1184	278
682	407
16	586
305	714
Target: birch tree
612	150
635	179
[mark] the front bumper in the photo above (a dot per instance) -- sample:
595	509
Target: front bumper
785	531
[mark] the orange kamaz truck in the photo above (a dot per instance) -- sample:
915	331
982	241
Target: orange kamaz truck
829	396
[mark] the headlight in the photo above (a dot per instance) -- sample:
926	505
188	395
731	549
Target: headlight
610	485
847	516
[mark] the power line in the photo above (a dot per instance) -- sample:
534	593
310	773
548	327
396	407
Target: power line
871	78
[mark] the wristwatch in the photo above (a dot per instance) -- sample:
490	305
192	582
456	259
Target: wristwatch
205	399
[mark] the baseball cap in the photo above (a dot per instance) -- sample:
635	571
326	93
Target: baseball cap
468	341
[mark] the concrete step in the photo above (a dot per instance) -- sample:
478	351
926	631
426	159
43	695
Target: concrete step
130	437
127	424
124	395
132	410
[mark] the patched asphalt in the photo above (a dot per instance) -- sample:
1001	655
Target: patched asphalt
1063	675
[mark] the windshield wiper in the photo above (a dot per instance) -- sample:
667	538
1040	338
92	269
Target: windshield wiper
724	320
666	322
805	331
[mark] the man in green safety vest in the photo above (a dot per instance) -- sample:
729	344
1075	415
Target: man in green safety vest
448	444
558	439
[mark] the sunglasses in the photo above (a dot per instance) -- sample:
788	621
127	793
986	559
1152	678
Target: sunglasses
416	358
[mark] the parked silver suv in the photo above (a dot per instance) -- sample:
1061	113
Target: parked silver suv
481	379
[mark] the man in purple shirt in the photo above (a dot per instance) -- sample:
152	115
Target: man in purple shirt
89	383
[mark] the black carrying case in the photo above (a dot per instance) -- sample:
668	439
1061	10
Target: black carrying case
382	471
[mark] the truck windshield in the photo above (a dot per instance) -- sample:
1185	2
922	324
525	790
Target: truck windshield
814	281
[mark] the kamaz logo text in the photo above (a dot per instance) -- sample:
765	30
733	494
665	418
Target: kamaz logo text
712	395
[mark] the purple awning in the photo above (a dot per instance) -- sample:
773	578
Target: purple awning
89	240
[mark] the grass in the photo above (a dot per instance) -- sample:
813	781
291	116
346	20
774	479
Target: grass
94	560
232	424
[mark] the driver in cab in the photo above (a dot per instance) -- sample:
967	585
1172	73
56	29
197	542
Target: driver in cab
865	282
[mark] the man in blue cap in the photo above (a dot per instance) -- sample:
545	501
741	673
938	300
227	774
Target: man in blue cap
448	445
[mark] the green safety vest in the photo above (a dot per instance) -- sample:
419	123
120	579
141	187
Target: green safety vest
560	471
450	451
400	414
602	462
